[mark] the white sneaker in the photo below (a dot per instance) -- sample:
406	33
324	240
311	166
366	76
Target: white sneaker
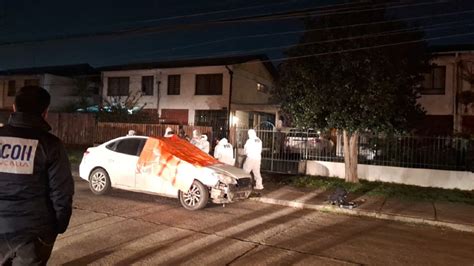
258	187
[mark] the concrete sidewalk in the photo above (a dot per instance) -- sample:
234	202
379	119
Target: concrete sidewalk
458	216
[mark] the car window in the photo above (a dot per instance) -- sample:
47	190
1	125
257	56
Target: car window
112	145
140	146
294	133
312	134
128	146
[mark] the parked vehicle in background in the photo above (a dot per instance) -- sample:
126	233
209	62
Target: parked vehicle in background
132	163
307	142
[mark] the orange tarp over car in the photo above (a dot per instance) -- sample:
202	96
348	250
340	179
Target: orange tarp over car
174	160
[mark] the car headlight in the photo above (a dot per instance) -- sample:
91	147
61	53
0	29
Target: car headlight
225	178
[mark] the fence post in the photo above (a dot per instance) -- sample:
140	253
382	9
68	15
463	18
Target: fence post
273	146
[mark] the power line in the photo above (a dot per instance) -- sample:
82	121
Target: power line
370	47
206	13
432	26
236	53
379	34
354	49
214	12
148	30
342	11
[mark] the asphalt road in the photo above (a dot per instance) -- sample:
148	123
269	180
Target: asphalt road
125	228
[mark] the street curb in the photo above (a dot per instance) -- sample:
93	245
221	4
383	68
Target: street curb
356	212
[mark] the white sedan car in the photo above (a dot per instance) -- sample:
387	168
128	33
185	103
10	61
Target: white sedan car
114	164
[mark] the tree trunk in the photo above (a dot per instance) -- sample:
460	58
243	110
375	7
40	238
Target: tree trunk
351	154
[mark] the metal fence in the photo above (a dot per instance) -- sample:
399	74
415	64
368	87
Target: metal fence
447	153
283	150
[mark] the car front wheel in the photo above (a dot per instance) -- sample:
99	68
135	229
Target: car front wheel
195	198
99	181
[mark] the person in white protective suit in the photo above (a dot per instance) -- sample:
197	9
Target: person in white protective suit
253	151
168	132
204	145
224	152
196	139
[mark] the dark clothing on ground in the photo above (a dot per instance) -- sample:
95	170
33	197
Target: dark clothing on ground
36	185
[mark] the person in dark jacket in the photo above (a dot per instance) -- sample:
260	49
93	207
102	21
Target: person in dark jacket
36	185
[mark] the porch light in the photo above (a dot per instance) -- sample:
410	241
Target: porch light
235	120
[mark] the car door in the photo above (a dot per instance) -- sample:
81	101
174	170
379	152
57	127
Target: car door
123	163
146	181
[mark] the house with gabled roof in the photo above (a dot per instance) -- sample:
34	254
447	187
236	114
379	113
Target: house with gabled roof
66	84
217	92
447	93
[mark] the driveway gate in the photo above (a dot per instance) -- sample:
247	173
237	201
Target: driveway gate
274	157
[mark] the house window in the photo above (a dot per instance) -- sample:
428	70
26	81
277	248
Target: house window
217	119
434	82
118	86
209	84
32	82
147	85
174	84
11	88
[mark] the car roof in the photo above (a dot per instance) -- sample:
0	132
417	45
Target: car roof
125	137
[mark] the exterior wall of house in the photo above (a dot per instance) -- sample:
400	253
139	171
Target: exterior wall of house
249	97
449	105
467	60
62	90
185	100
135	85
240	119
6	101
441	104
246	78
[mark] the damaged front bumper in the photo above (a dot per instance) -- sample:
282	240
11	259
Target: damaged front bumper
224	193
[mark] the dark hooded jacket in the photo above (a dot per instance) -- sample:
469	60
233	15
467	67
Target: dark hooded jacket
36	185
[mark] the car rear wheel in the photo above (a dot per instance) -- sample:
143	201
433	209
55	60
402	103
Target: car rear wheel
99	181
195	198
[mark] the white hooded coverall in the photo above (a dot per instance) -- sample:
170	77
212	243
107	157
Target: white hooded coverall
196	140
224	152
253	150
204	145
168	132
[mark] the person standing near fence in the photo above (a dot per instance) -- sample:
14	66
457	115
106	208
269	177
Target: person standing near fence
196	139
168	132
204	146
253	151
224	152
36	185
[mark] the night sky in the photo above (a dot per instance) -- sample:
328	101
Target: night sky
101	33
